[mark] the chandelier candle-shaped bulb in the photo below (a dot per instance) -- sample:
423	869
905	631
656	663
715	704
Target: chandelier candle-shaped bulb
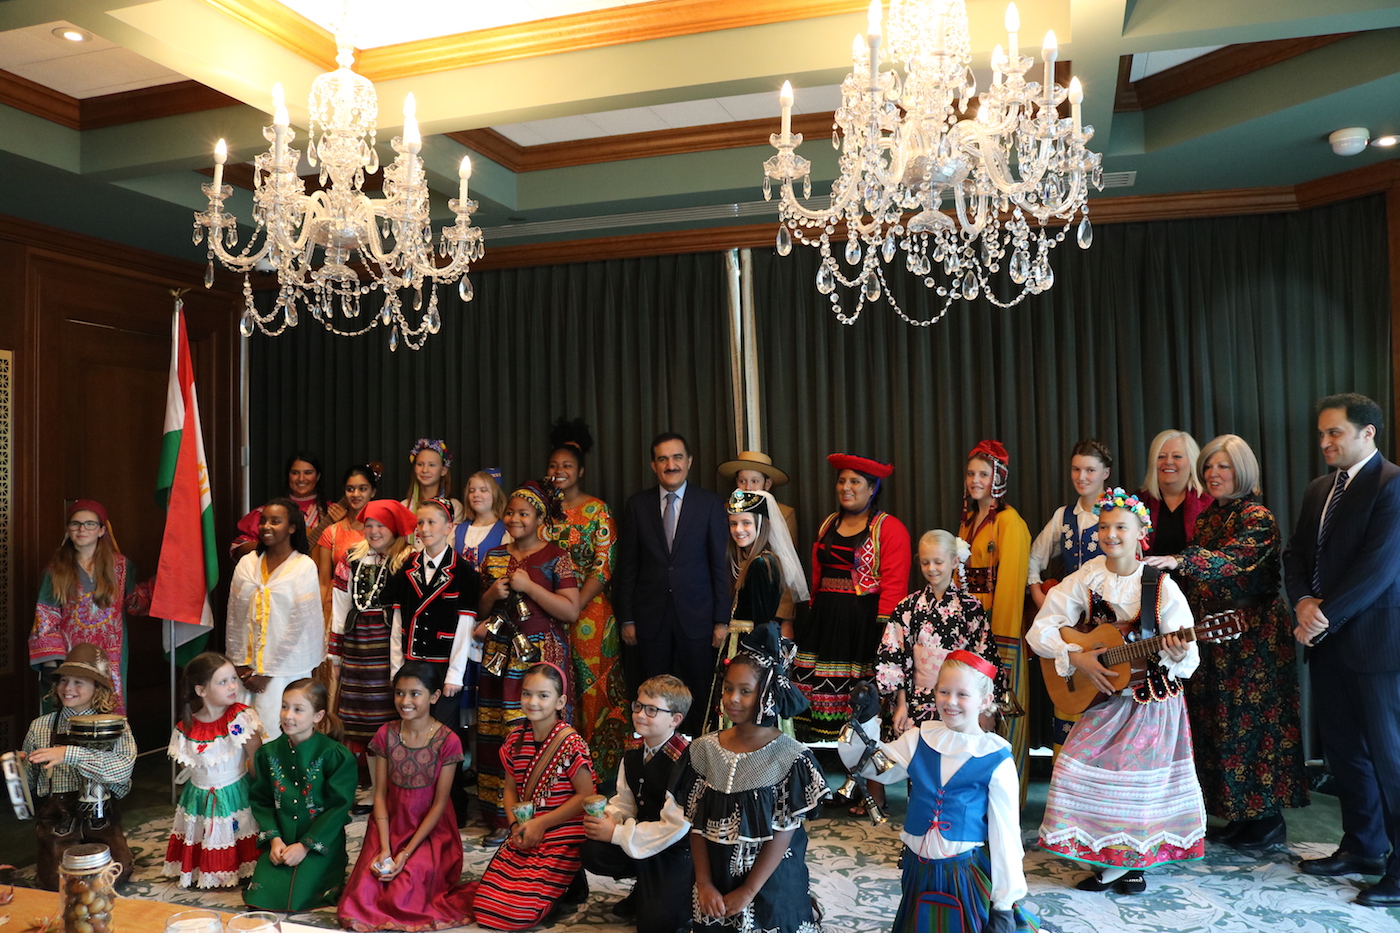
1049	52
1076	97
998	64
463	173
412	140
785	101
1013	26
220	157
280	122
872	37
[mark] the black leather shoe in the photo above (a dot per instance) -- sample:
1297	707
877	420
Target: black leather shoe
1257	837
1134	882
577	891
1224	833
626	909
495	837
362	809
1095	882
1343	863
1384	893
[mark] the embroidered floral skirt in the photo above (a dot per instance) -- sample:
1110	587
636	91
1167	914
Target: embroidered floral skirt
1124	792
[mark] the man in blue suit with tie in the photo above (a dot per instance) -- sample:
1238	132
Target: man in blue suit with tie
1342	569
671	587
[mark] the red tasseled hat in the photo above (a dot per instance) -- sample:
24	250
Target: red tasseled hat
861	465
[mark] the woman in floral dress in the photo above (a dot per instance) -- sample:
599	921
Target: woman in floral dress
586	533
1244	699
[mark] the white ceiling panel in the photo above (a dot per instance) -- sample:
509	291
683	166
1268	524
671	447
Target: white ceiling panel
816	99
95	73
751	106
38	44
633	120
565	129
522	134
692	113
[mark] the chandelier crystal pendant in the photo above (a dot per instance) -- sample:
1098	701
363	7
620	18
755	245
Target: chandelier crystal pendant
965	185
332	247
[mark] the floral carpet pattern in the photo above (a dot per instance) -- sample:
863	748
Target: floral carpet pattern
856	880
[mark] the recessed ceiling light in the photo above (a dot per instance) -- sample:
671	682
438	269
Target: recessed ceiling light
72	34
1385	142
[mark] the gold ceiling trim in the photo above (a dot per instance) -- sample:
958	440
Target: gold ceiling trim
284	26
659	19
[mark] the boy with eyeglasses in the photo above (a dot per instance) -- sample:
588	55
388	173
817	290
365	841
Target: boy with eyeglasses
642	833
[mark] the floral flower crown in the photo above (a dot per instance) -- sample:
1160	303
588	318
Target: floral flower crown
1118	498
431	443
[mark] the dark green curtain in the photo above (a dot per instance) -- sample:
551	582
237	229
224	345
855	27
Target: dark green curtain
633	346
1230	325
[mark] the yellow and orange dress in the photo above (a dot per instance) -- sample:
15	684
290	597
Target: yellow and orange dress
996	575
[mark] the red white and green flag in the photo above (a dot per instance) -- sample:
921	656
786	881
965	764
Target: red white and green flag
189	565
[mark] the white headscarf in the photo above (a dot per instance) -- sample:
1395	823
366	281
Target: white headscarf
780	543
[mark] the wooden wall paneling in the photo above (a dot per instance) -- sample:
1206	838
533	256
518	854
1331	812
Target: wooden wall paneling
94	342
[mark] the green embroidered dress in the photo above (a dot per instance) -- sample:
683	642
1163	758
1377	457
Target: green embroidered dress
303	794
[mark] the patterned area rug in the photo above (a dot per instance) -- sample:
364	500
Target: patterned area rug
856	880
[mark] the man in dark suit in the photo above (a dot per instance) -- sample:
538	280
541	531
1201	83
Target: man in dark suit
671	588
1342	569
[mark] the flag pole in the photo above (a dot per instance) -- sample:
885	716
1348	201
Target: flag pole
178	294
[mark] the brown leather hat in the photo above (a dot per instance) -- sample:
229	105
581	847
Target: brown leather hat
87	661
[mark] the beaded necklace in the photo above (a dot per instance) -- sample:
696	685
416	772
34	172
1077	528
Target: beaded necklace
367	599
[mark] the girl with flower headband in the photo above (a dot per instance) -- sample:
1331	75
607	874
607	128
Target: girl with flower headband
962	834
432	477
532	584
1124	795
746	791
925	627
89	589
996	575
1072	535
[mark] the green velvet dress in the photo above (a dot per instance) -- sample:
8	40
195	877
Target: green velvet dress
303	794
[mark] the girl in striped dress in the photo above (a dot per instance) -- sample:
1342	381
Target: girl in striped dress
549	772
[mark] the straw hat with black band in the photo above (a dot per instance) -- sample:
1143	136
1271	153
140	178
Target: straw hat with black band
753	460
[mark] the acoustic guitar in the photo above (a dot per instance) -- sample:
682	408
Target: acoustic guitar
1126	660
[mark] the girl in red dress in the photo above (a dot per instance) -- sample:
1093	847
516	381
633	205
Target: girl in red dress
549	772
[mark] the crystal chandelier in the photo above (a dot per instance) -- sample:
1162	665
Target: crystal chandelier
334	246
918	145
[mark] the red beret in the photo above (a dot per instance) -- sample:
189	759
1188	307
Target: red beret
860	464
392	514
